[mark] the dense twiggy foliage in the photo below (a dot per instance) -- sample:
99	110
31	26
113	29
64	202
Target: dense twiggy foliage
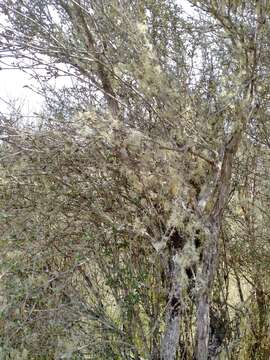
134	211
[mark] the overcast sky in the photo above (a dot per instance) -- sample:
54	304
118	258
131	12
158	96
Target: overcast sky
13	89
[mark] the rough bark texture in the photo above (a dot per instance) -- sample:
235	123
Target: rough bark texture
218	329
170	339
77	17
210	257
210	252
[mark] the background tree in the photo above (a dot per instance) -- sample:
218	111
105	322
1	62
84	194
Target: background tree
125	213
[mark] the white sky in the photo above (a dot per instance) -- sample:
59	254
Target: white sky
12	88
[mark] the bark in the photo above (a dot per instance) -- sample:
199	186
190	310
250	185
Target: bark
210	257
77	17
175	305
218	328
210	252
171	335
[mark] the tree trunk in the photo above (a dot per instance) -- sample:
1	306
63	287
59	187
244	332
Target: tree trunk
218	329
170	341
210	259
210	250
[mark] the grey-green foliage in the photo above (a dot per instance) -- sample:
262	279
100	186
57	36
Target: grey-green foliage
164	129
